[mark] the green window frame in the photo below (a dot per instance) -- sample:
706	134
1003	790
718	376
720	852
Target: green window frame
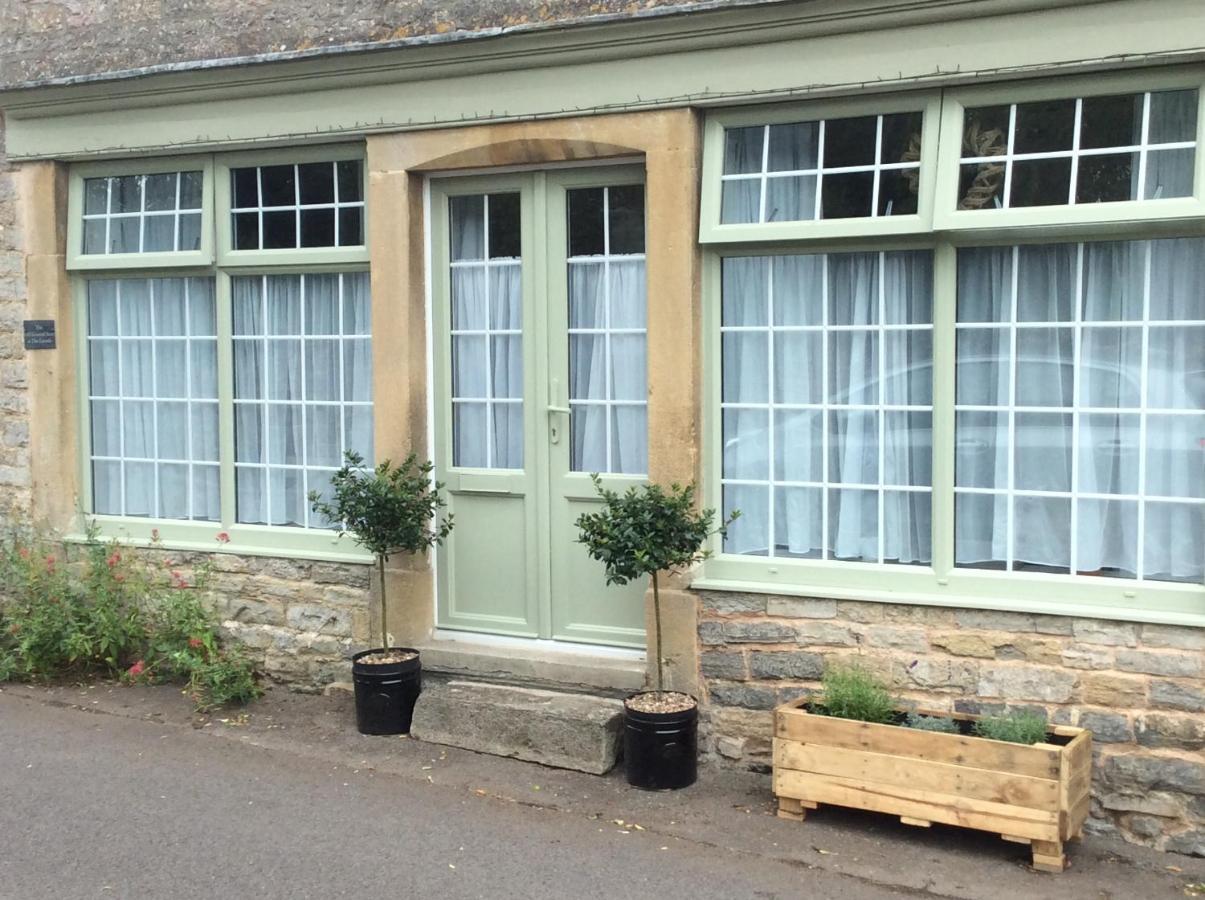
78	260
1121	214
942	230
216	261
713	231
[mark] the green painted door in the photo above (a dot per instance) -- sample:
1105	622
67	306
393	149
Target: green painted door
539	350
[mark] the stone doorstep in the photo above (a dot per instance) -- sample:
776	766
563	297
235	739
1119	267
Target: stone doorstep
568	731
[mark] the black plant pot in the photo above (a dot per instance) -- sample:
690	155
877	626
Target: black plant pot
386	694
660	750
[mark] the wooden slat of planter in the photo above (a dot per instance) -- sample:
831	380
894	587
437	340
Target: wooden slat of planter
889	769
918	804
979	753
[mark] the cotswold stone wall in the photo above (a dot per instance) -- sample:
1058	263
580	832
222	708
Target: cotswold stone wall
1139	688
14	424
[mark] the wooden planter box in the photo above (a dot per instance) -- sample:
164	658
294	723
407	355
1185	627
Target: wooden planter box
1036	795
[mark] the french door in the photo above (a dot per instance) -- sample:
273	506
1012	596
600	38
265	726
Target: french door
540	369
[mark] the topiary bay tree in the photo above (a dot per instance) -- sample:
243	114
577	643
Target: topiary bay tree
388	509
645	531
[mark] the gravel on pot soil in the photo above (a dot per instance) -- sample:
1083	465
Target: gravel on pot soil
385	658
661	702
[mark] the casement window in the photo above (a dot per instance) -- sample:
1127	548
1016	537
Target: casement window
977	377
225	333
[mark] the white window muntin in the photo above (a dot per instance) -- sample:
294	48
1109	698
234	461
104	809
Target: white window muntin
713	231
947	216
77	215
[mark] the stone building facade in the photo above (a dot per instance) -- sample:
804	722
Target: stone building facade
1136	680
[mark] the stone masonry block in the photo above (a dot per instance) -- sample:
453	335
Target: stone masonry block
865	613
1107	689
1176	695
889	636
1140	773
254	612
725	604
990	620
716	664
1115	634
796	665
1087	657
1190	843
1174	636
758	632
966	644
801	608
311	617
1106	728
1155	729
1045	651
1171	663
1026	683
569	731
814	633
1152	804
711	632
349	576
942	674
742	694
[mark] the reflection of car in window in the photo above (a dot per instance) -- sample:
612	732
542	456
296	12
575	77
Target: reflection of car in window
1042	442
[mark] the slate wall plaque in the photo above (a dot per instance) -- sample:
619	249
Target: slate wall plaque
39	334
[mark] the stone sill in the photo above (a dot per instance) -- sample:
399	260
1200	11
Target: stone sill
531	663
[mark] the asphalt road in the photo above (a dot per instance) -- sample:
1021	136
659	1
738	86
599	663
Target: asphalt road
97	806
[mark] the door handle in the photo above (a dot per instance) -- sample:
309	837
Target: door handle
560	409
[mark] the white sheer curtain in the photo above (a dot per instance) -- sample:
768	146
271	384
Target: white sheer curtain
1169	173
852	439
788	198
1066	430
153	397
608	381
487	341
302	389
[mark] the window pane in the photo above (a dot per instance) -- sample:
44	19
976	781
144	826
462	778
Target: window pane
807	443
318	373
848	195
1173	116
1081	347
740	203
793	147
162	416
850	142
504	229
743	149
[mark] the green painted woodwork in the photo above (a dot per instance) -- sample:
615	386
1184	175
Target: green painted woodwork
512	565
251	540
941	584
776	51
